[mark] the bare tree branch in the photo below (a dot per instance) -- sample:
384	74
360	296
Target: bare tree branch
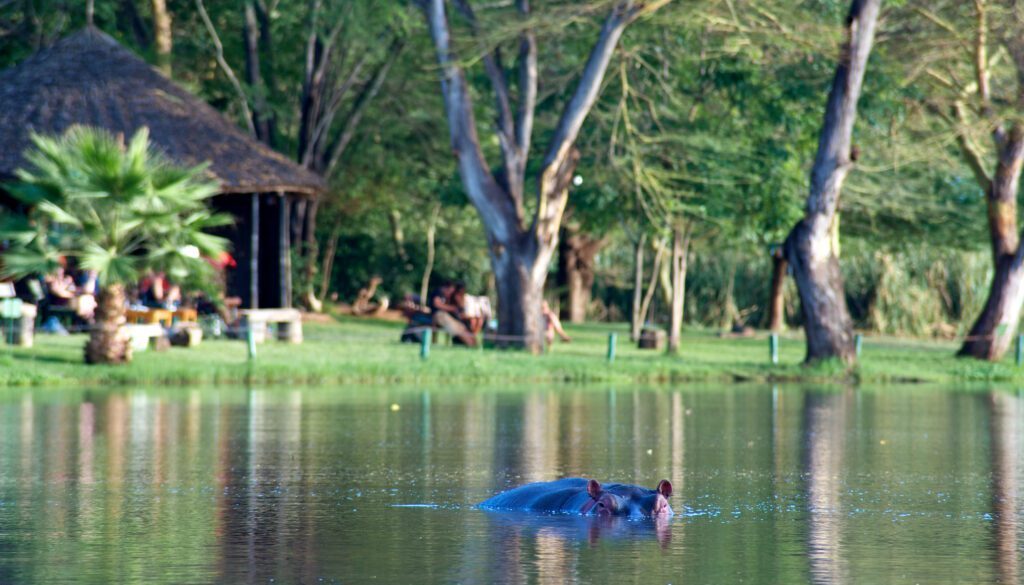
556	161
527	87
330	110
263	119
513	164
370	91
243	101
492	202
972	155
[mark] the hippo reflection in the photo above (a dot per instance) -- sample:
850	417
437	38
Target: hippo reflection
509	528
586	496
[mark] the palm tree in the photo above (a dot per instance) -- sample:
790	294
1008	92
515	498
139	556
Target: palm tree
120	210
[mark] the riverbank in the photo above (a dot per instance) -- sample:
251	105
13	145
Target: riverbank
367	351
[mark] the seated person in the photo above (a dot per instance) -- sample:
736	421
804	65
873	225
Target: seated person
87	289
60	288
475	311
410	306
157	292
364	304
444	314
552	325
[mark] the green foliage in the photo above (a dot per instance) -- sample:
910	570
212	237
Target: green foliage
710	113
119	209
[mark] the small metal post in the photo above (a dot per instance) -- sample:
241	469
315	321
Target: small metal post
773	347
250	338
1020	349
612	338
858	341
425	343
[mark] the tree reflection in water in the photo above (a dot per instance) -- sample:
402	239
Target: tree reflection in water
772	485
1005	430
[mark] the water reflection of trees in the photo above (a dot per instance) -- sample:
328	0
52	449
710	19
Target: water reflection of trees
239	485
1005	432
825	431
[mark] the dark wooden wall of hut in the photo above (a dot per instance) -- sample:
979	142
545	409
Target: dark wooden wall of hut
262	275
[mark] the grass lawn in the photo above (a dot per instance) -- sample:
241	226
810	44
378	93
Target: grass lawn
368	351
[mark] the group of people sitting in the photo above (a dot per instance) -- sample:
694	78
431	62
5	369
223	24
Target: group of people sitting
463	316
68	291
155	291
67	296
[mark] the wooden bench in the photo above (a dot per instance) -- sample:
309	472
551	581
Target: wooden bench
289	323
144	334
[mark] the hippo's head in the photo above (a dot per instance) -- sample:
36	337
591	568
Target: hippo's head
632	501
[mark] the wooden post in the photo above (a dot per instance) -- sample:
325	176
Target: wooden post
611	347
425	343
858	339
773	347
284	245
250	338
1020	349
254	253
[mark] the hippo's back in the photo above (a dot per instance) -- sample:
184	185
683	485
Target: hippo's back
564	495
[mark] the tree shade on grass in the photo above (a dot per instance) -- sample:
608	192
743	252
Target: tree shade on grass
120	210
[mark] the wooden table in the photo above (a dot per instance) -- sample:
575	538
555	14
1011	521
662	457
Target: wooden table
150	316
186	315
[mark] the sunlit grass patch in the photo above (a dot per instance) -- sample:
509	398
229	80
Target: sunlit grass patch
367	351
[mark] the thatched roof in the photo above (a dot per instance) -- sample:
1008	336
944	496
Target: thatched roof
89	79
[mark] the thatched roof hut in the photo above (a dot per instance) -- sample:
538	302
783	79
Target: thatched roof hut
89	79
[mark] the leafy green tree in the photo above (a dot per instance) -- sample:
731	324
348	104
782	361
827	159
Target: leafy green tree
521	244
970	58
121	210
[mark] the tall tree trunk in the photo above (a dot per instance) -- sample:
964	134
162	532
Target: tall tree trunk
576	254
652	284
520	287
398	236
665	273
129	18
680	250
730	314
108	339
162	35
777	300
263	119
636	322
991	334
431	252
327	267
310	252
810	247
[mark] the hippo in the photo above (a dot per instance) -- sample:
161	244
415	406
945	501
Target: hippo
577	495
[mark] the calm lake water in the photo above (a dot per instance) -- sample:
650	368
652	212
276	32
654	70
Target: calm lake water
378	484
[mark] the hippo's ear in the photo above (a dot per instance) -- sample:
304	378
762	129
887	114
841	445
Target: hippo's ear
594	489
665	488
